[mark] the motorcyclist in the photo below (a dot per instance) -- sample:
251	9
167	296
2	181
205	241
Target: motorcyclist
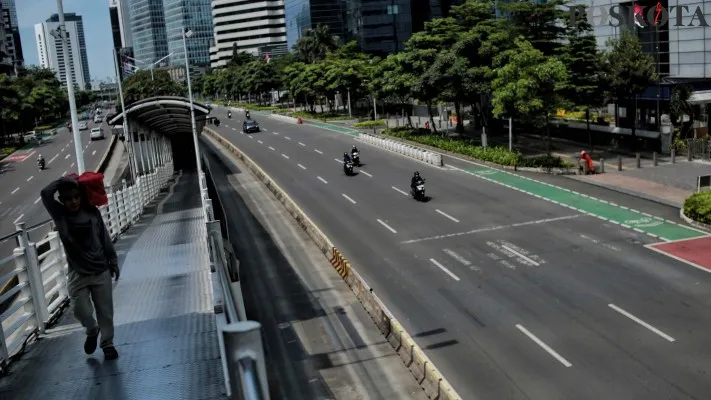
229	114
40	161
246	114
346	158
354	150
416	180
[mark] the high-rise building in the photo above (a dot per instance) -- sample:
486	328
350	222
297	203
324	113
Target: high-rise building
148	33
11	36
120	23
50	54
193	15
302	15
257	27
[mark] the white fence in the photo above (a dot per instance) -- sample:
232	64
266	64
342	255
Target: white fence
404	149
40	294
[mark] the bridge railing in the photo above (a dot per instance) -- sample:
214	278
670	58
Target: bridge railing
36	289
240	340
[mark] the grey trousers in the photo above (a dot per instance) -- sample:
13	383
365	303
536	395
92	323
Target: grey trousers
93	292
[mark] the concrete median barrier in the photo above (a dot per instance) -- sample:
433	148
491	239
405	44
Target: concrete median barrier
430	157
283	118
426	374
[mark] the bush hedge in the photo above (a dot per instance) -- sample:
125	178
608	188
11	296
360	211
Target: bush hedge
496	155
698	207
369	124
318	116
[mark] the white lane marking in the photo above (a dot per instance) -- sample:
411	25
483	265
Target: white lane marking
301	166
443	268
18	218
67	156
15	191
93	153
337	160
30	178
457	257
234	129
53	158
322	180
363	172
251	137
544	346
493	228
71	166
519	255
287	138
387	226
272	148
285	156
301	144
318	151
276	133
639	321
61	151
447	215
38	200
348	198
66	146
260	142
398	190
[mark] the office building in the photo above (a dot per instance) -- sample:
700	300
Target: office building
120	23
50	54
194	15
11	35
257	27
302	15
148	33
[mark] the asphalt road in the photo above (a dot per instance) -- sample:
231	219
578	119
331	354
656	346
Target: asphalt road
510	295
21	181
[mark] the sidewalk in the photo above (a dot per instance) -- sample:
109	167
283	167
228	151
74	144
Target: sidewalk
163	313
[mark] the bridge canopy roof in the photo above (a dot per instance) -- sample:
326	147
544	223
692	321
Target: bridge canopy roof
164	114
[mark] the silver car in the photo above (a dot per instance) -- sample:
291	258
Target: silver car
83	126
96	134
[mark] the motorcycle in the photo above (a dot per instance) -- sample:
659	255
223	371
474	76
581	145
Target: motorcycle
356	158
348	168
247	115
41	165
418	192
229	115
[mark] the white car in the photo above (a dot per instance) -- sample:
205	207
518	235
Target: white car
97	119
96	134
83	126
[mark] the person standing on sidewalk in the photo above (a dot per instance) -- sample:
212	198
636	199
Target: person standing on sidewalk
91	258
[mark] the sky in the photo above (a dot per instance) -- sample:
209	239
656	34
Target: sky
97	29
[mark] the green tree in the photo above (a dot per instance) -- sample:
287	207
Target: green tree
140	86
528	86
680	105
585	86
628	73
239	58
315	44
540	23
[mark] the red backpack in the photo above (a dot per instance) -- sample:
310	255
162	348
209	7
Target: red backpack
93	183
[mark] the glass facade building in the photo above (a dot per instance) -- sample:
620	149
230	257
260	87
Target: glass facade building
76	19
150	42
302	15
194	15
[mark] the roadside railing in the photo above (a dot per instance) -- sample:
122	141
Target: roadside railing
241	340
698	148
40	295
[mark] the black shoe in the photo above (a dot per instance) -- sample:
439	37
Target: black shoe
90	343
110	353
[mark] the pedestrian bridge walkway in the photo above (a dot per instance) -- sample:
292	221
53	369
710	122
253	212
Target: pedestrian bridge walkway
166	332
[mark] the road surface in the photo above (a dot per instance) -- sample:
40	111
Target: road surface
515	288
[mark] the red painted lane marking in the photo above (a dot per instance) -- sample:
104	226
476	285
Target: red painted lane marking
17	157
694	252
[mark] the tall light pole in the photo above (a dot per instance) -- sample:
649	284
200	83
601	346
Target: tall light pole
132	155
187	34
70	89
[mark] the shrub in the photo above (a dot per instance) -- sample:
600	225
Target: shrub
698	207
369	124
318	116
496	155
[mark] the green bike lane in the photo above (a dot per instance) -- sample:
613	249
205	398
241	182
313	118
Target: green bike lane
626	217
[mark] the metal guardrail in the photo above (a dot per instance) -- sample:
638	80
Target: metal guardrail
698	148
241	339
40	295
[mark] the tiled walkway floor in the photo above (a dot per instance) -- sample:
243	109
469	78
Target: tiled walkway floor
165	325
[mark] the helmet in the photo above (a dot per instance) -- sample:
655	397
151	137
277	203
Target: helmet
417	174
354	146
345	154
582	153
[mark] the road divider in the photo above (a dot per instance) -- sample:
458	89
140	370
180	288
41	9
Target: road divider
417	153
426	374
283	118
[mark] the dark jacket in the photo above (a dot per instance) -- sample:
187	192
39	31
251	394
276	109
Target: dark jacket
87	242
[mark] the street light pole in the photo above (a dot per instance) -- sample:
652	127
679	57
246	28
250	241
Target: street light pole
70	89
132	155
186	35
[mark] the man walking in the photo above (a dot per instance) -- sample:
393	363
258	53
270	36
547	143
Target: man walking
92	261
